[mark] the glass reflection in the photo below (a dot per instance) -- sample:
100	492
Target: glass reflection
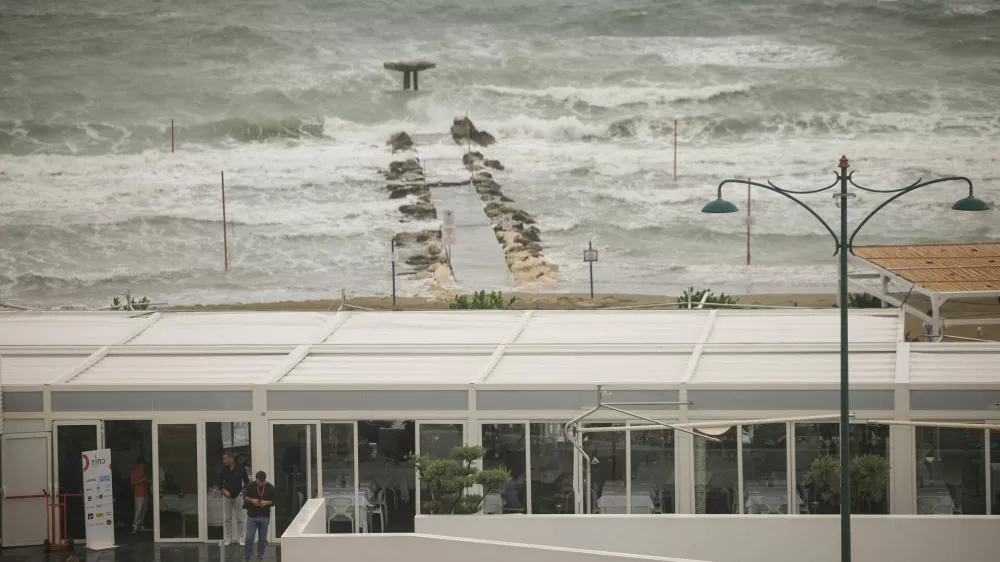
653	470
951	476
817	468
436	441
232	438
178	480
716	467
607	471
386	479
765	468
293	466
995	470
506	447
338	476
551	469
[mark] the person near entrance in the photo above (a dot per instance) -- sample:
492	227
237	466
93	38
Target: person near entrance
258	499
140	491
233	480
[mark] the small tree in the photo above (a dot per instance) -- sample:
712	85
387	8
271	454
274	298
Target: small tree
449	481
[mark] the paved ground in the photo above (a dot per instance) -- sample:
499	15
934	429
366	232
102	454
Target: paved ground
141	551
477	258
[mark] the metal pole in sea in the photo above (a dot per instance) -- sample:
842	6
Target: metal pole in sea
392	258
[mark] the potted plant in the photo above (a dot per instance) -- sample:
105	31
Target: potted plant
449	481
869	477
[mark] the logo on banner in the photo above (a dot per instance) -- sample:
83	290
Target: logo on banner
86	463
106	478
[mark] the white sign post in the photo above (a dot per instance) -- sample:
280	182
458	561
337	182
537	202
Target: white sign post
98	499
448	231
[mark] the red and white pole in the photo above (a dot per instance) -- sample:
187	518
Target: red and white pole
225	237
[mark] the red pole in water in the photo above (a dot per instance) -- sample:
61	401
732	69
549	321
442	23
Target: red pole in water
225	238
171	136
675	149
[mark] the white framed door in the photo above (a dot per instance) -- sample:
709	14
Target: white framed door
70	439
436	438
293	470
178	478
25	487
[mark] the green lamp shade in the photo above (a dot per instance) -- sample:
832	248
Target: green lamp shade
721	206
970	203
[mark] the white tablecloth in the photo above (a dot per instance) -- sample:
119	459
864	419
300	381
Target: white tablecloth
767	499
613	498
937	500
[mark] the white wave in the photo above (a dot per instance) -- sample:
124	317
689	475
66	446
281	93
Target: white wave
612	96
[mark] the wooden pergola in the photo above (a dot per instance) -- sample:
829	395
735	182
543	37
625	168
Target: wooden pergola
938	272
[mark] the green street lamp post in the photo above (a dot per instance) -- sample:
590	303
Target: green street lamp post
845	244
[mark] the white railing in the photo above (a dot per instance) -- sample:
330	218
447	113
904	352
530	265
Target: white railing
306	540
742	538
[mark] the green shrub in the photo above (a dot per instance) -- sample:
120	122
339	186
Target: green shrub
863	300
482	301
696	296
133	304
449	481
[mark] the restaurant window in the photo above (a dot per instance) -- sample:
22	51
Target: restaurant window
951	472
817	468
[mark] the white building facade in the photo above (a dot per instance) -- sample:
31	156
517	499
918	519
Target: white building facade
331	404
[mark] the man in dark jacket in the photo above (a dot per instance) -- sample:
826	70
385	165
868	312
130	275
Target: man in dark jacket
258	499
232	480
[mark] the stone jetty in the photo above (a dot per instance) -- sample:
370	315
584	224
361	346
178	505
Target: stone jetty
515	229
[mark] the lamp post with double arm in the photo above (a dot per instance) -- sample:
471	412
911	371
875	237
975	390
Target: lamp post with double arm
843	245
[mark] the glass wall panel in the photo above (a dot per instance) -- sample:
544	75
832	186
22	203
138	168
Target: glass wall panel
653	470
716	478
221	438
817	468
436	441
384	473
995	470
72	441
294	466
178	480
131	444
765	468
338	448
506	447
551	469
607	471
951	472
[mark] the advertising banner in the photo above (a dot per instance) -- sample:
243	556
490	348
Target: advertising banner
98	500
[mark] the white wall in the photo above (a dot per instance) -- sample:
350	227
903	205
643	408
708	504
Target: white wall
722	538
304	542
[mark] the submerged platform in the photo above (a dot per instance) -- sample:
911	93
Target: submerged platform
410	71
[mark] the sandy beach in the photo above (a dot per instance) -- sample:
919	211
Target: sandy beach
969	308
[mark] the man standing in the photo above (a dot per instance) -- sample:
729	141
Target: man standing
232	481
258	499
140	491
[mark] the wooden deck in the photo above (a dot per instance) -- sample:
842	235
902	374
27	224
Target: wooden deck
940	267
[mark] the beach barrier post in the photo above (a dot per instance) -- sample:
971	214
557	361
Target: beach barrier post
749	222
675	149
590	256
225	237
392	258
171	136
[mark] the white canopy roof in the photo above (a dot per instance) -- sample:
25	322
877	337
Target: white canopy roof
793	348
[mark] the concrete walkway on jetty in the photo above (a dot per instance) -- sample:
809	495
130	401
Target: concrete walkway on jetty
477	259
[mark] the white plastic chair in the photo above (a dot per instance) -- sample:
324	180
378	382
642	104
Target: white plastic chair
340	509
378	507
